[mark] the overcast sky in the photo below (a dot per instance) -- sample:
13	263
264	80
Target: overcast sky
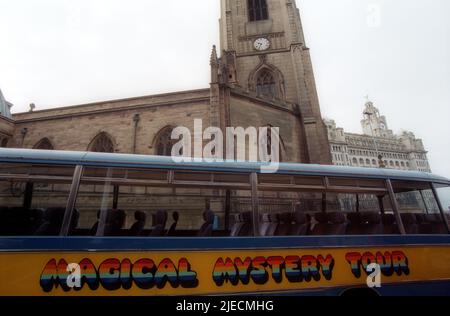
64	52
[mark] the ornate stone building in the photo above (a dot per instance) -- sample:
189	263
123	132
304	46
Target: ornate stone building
402	151
6	123
262	77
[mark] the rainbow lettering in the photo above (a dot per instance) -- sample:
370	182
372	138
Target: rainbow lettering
390	263
260	269
113	274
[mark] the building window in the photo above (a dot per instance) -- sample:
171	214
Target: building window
266	85
102	143
361	162
257	10
355	161
374	162
4	143
44	144
164	142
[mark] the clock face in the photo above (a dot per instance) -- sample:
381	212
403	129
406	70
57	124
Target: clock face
262	44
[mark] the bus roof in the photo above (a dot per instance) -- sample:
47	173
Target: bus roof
159	162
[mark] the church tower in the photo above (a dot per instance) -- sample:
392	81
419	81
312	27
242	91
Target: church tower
264	50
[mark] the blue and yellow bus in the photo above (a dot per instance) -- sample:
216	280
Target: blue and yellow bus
94	224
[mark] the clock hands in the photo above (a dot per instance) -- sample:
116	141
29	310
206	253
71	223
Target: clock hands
261	44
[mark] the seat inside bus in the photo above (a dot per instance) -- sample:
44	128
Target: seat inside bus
207	228
16	221
389	224
300	224
159	227
52	222
173	227
19	221
284	225
371	223
237	225
334	223
243	225
137	229
115	219
355	224
431	224
320	225
410	223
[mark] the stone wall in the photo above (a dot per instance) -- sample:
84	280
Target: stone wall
74	128
246	112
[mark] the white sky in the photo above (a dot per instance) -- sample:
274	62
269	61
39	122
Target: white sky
64	52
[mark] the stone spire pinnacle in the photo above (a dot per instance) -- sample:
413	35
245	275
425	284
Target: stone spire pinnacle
214	63
214	60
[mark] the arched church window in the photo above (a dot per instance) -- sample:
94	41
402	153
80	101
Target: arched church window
44	144
257	10
164	143
4	143
266	84
102	143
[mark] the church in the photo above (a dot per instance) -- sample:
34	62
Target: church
261	76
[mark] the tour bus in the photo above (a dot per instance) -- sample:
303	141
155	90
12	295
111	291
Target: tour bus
97	224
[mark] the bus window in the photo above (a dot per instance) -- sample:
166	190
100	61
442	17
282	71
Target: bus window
33	199
325	206
141	203
91	199
418	208
443	193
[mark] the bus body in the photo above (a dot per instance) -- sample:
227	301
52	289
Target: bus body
86	224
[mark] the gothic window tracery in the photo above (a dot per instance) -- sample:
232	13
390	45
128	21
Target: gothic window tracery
266	84
102	144
4	142
257	10
44	144
164	143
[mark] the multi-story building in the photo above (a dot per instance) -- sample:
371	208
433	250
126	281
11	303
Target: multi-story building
6	123
403	151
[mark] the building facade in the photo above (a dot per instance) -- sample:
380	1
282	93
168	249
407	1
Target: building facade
261	77
403	151
6	122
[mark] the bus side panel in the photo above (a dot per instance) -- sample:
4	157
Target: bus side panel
242	271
